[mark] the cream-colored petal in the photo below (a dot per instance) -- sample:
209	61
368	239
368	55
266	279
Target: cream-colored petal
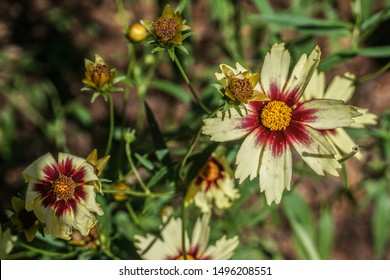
220	199
248	157
275	68
83	220
54	226
77	162
230	128
275	173
228	187
315	88
158	251
318	153
90	200
302	72
342	142
223	249
329	113
201	234
240	68
341	87
367	118
171	236
35	170
202	202
31	196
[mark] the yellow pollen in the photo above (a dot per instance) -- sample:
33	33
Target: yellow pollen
241	89
64	187
276	115
210	171
189	258
164	28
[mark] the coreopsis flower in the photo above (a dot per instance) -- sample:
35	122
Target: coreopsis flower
25	221
272	128
214	184
168	27
62	194
341	87
98	74
238	85
169	246
100	78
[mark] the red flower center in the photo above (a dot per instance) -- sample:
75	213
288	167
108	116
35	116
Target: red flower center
64	187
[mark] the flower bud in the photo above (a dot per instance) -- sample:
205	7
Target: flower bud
137	32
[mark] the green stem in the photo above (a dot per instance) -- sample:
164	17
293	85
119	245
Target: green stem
134	169
139	194
111	134
48	253
132	213
188	154
188	83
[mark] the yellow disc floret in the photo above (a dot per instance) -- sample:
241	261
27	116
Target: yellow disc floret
181	257
64	187
276	115
210	171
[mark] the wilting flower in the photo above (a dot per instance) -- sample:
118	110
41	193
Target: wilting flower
239	84
271	128
137	32
169	247
62	194
168	28
341	87
25	221
214	184
98	75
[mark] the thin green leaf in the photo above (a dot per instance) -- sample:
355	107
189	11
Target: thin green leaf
144	161
325	234
172	89
264	7
157	177
302	22
381	225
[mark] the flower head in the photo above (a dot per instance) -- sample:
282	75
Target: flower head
62	194
271	128
213	184
25	221
342	88
169	247
98	75
168	27
121	196
239	84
